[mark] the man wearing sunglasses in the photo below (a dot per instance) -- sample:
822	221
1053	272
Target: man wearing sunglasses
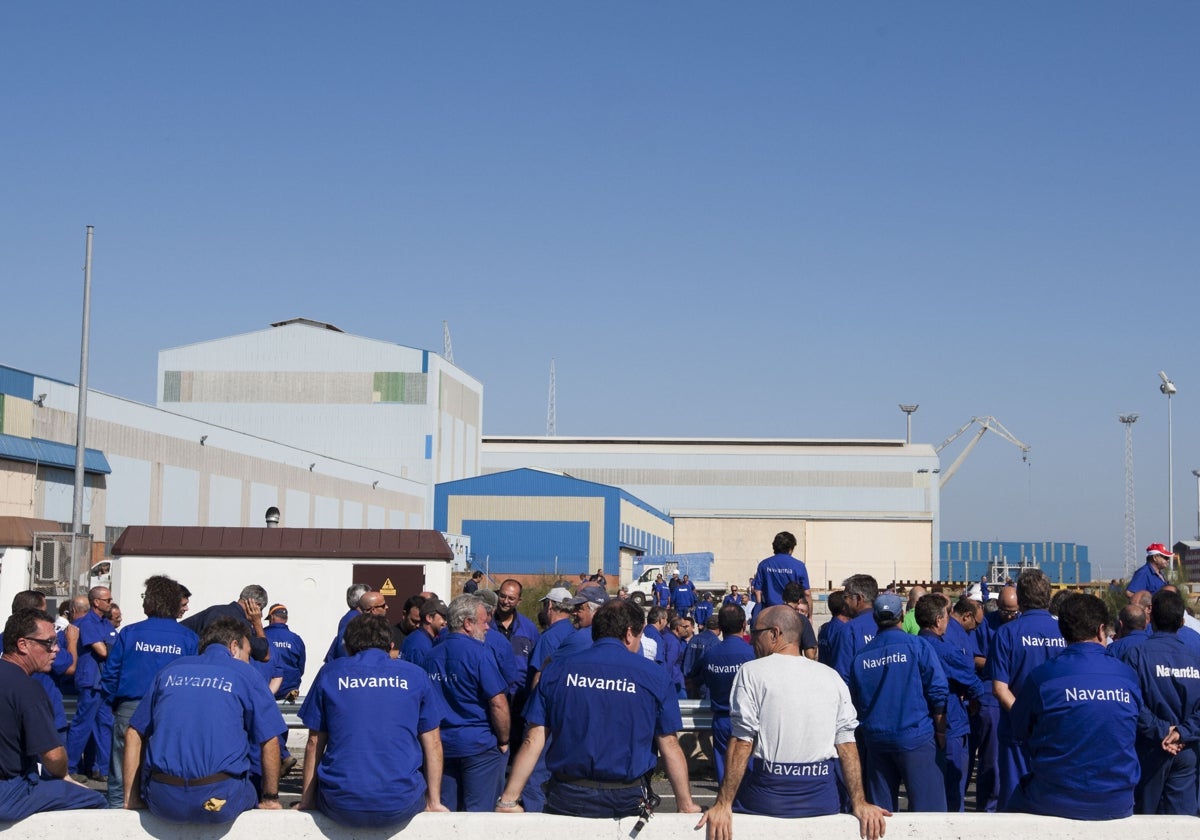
27	733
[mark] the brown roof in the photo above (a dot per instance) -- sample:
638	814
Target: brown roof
18	531
358	544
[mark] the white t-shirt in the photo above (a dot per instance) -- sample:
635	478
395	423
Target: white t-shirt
797	708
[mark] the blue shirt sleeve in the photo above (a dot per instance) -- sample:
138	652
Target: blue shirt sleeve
841	653
312	710
999	656
266	721
1025	710
110	673
933	679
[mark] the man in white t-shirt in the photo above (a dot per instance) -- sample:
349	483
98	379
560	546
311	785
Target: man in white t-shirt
796	718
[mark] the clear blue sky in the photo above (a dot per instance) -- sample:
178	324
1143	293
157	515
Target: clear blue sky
767	219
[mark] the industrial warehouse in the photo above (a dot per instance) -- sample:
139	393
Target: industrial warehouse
341	431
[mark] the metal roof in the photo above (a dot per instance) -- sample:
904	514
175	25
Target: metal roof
51	454
351	543
18	531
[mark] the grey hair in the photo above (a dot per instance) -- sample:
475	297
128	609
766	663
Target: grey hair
462	608
254	593
355	592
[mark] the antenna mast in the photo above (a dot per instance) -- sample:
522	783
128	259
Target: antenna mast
551	421
1130	516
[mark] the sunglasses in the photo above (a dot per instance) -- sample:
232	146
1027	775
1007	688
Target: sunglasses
48	644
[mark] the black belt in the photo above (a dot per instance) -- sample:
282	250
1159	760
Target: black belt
596	783
167	779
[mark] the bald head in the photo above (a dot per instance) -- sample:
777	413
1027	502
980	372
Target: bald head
915	594
1008	599
79	606
782	618
1131	618
1142	599
370	602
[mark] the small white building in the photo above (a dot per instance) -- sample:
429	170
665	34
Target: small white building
306	569
18	566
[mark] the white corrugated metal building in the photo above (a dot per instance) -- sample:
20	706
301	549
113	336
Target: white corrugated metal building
854	505
405	411
167	469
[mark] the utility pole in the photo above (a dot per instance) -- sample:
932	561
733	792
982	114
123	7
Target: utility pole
1169	390
1130	516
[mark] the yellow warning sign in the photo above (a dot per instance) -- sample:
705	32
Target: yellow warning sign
387	588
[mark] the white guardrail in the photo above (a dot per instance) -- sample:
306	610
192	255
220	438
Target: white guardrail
294	825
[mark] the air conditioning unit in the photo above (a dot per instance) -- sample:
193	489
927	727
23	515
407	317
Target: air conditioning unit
48	563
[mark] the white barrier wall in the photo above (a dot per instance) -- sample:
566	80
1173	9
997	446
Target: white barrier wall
256	825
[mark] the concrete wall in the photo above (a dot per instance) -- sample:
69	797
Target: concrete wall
294	825
832	550
731	482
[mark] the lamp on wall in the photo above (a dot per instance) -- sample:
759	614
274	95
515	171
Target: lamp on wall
40	402
202	439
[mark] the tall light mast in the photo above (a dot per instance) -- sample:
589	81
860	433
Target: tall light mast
1130	515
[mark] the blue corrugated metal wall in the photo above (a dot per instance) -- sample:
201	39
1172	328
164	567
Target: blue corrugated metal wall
1062	562
529	547
16	382
522	547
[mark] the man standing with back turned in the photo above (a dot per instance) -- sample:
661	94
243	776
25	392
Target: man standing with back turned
1016	649
778	571
795	716
1077	714
602	773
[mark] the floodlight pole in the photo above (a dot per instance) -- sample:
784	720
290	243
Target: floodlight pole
81	418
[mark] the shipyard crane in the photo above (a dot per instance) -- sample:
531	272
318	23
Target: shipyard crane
986	424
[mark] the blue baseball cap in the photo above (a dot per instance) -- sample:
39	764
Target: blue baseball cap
888	607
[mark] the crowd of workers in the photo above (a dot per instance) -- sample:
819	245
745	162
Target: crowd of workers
1026	692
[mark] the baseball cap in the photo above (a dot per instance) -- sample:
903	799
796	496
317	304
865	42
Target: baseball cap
278	608
888	607
1157	548
435	605
590	595
489	597
558	595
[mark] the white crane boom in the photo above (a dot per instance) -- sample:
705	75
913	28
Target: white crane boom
986	424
